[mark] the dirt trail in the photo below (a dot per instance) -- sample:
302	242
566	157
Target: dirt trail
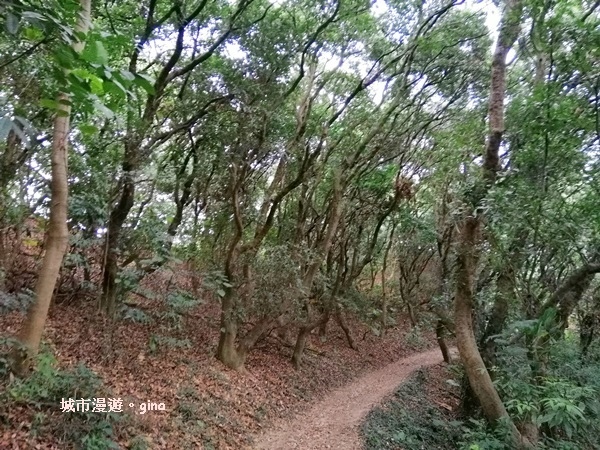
333	422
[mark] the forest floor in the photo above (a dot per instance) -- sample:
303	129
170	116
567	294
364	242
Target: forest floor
332	423
161	354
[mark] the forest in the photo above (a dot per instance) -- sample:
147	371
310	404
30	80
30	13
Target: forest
224	213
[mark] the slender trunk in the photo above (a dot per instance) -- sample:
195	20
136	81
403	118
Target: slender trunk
384	315
411	314
323	248
256	333
384	298
440	332
108	299
57	236
373	276
586	332
342	323
3	254
323	326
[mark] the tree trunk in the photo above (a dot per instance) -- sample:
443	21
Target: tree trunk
323	248
57	236
342	322
3	253
323	327
439	333
226	350
232	351
108	299
384	297
498	316
479	378
469	237
586	332
303	334
411	313
384	315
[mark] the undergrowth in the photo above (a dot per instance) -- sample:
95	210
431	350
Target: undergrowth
410	421
37	400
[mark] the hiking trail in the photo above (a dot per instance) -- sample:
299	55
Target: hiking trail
332	423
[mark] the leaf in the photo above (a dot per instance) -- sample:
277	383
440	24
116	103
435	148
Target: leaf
96	85
106	112
64	57
145	82
101	53
87	129
95	53
32	34
119	86
221	293
127	75
30	242
30	15
11	24
49	103
5	126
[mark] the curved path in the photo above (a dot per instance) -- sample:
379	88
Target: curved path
333	422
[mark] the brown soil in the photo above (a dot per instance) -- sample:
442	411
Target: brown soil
208	405
332	423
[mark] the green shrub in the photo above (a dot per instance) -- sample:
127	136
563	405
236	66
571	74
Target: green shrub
409	421
565	403
477	434
43	391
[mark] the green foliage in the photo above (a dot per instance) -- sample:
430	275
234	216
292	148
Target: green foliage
43	390
128	281
565	404
409	421
416	339
478	435
157	343
15	302
277	278
179	303
47	385
135	315
216	282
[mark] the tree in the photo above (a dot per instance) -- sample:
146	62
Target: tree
57	235
470	227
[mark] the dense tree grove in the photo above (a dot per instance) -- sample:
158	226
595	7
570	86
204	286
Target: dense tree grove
316	161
